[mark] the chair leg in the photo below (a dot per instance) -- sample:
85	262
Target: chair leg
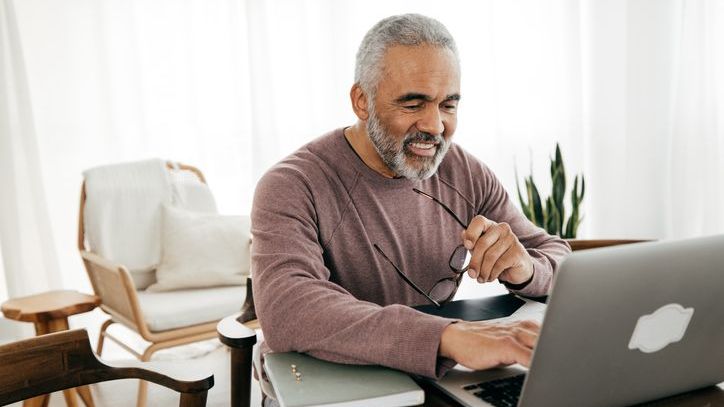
193	399
142	393
70	399
85	394
102	336
142	384
38	401
241	376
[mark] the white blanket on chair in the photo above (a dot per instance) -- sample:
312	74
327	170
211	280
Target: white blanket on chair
123	211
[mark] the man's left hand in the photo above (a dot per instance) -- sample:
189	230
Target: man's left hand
496	252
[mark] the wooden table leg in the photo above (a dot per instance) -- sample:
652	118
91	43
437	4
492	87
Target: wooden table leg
41	328
56	325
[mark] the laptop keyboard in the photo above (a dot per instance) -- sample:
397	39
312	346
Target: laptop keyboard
500	393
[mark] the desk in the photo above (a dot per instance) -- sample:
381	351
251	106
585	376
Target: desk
708	397
49	313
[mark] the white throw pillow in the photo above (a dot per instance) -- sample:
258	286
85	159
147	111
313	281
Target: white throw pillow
202	250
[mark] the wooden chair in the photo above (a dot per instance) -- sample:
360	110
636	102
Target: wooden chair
113	284
63	360
238	333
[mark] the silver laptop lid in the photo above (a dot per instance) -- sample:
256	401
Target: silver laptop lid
670	294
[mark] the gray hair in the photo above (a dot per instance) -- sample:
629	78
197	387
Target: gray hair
404	29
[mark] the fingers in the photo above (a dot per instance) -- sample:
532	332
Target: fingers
524	333
476	228
482	345
530	326
506	261
518	353
526	337
518	343
488	256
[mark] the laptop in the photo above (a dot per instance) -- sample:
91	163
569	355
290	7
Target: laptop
623	325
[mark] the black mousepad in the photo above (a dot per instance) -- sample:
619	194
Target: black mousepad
478	309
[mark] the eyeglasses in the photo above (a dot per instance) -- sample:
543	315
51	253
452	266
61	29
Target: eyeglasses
445	288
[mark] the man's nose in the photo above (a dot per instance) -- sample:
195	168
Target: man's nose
431	122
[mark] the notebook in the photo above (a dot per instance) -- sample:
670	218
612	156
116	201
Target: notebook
478	309
328	384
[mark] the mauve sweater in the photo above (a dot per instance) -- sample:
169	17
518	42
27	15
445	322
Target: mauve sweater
319	285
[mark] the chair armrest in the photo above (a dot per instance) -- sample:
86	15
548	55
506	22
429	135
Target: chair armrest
235	334
112	282
167	374
99	260
240	339
62	360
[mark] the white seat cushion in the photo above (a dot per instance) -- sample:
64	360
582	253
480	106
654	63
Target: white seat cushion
178	309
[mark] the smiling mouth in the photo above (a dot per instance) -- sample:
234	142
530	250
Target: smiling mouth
422	149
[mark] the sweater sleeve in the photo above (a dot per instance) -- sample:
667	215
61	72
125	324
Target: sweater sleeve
301	310
546	251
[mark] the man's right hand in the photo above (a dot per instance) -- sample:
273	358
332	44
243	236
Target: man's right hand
485	344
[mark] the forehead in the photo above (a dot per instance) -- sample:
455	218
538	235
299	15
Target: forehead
425	69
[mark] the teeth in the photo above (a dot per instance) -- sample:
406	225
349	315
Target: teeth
423	146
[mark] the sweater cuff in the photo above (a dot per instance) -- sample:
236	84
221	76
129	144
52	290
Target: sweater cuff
443	365
518	287
540	282
426	335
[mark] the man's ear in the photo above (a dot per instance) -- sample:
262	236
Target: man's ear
359	102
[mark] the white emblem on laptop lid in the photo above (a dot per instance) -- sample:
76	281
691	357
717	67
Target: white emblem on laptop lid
664	326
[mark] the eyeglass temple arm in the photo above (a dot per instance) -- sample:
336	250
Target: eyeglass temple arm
404	277
448	210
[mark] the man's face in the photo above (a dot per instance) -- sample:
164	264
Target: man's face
414	113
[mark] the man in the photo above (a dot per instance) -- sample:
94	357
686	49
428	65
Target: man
359	224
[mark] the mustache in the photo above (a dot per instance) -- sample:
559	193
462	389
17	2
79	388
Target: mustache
423	137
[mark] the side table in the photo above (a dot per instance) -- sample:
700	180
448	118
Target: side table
49	311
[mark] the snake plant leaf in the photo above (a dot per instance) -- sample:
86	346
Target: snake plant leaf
574	221
550	212
558	193
559	186
559	156
571	225
523	204
536	203
553	217
529	192
569	228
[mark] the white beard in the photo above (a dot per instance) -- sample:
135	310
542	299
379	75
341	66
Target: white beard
393	154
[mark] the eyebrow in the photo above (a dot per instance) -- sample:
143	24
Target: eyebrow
408	97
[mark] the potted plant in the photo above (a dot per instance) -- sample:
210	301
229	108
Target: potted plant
550	214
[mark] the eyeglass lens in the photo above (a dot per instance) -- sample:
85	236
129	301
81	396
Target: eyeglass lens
460	259
444	289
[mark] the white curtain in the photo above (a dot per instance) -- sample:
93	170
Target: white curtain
631	89
28	261
26	237
654	104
